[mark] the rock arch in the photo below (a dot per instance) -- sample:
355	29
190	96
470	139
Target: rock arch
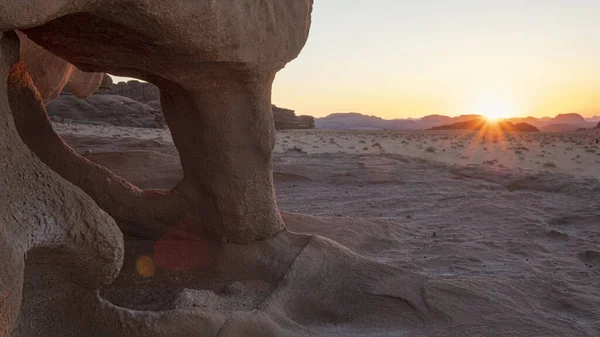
214	62
215	87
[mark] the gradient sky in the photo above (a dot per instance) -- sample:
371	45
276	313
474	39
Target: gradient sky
401	58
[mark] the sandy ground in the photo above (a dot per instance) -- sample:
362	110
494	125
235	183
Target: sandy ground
506	224
573	153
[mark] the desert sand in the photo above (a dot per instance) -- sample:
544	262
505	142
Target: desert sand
510	243
569	152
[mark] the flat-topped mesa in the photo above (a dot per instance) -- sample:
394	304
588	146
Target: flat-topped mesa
139	91
286	119
214	64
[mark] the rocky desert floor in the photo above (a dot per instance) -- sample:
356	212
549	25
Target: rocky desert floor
508	223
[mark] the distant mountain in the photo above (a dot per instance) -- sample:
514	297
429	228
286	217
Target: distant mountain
594	119
560	123
436	119
357	121
480	123
569	119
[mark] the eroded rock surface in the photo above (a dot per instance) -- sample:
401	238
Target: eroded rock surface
40	212
215	98
51	73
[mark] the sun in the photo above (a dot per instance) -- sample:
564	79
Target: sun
493	114
495	108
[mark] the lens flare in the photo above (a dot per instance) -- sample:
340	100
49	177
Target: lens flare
144	265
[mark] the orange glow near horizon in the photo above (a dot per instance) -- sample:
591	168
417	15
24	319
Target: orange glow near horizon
495	107
437	57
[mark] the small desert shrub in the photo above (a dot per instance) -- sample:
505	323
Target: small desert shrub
550	165
363	141
590	151
296	149
430	149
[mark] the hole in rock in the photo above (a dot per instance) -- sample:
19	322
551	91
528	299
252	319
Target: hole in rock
121	127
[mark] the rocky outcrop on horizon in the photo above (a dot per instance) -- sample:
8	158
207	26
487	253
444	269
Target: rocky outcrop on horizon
286	119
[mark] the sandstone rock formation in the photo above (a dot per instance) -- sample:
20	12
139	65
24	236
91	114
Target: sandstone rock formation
49	67
215	98
59	248
41	214
136	90
215	86
106	107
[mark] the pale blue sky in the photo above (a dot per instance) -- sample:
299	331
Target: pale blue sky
396	58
